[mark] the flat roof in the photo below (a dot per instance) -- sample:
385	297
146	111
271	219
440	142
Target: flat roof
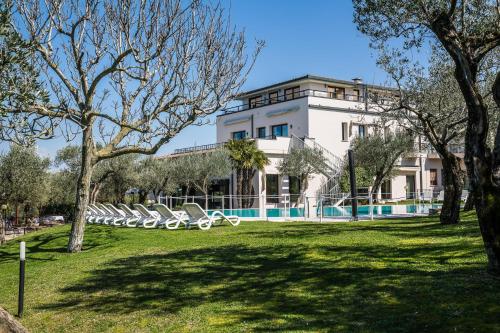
309	77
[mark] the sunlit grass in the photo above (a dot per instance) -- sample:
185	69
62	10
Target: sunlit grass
382	276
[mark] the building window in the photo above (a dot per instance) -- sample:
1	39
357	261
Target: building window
356	96
292	93
336	92
434	177
255	102
361	131
261	132
280	130
239	135
345	133
273	97
294	187
385	189
272	189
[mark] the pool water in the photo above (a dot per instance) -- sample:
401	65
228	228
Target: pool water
332	211
379	210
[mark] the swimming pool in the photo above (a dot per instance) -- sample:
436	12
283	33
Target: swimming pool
379	210
333	211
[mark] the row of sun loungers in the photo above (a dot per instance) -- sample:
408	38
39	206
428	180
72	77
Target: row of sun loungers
191	215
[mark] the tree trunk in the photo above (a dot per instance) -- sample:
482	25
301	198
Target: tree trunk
478	158
453	185
239	187
469	202
82	193
2	230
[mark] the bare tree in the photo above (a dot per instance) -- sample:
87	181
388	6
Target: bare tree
127	76
469	31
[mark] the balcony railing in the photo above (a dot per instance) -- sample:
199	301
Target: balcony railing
292	96
213	146
454	148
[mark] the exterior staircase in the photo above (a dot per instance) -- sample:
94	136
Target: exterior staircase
331	169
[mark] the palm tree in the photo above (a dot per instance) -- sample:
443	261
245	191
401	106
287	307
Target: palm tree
246	159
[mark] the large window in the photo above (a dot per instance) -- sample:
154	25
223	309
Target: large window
280	130
261	132
357	95
292	93
434	176
385	188
345	133
272	189
361	131
336	92
239	135
273	97
255	102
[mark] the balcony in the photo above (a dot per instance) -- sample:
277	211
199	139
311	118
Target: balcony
455	148
293	96
269	144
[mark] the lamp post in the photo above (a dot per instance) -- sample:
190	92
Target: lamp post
22	259
352	178
3	223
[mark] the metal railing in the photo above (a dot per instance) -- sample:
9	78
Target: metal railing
426	147
293	96
197	148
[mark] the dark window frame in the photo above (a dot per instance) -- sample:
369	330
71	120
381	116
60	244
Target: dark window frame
258	132
270	186
279	126
433	182
292	93
345	131
273	97
362	131
234	134
255	102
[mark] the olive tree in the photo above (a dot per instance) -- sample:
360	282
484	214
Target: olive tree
469	32
378	153
20	87
302	163
199	169
23	177
127	76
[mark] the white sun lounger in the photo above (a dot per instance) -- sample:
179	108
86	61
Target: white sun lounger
104	217
92	215
131	219
119	215
112	217
170	219
198	217
148	219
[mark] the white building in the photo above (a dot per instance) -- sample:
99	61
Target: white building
328	113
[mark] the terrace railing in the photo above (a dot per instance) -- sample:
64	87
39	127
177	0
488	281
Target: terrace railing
293	96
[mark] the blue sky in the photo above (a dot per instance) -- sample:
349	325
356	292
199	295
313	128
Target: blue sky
302	37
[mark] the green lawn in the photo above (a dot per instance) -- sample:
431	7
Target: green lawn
386	276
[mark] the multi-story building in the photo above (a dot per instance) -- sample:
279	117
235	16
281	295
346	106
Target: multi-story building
324	113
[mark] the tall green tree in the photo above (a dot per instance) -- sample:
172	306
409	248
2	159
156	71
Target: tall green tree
469	31
302	163
20	88
378	152
156	176
23	177
246	159
205	167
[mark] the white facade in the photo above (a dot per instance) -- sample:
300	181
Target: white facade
317	110
321	111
